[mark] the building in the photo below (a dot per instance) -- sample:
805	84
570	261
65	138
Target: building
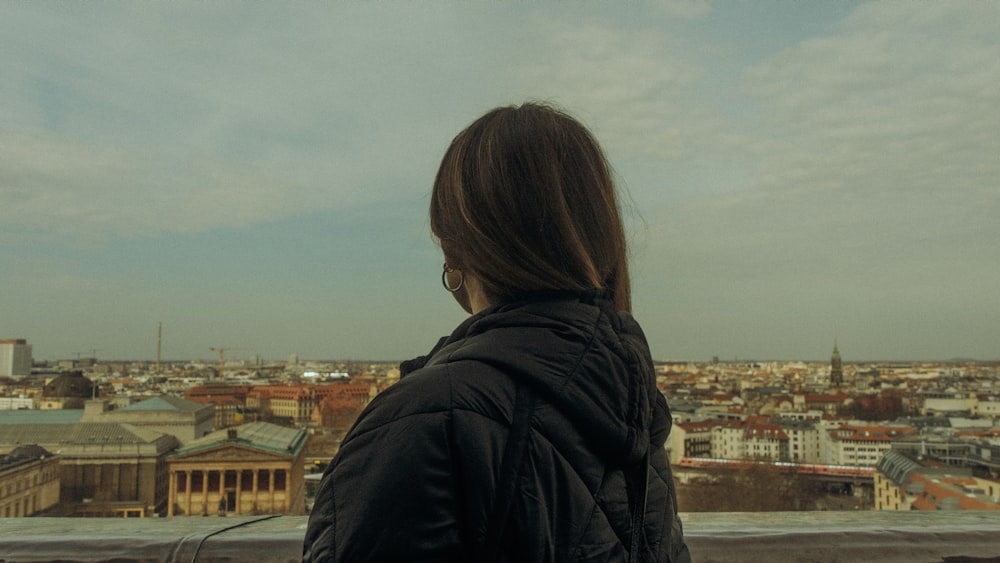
257	468
765	441
727	439
229	401
68	390
984	456
948	403
297	403
185	420
836	368
892	475
16	403
691	439
828	403
860	445
987	405
29	481
105	468
940	444
804	439
15	357
294	403
342	405
904	483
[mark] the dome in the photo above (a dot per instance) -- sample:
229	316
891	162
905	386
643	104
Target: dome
71	384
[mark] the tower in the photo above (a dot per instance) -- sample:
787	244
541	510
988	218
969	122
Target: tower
836	368
15	356
159	342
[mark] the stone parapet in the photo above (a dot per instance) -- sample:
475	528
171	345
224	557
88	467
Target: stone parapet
881	537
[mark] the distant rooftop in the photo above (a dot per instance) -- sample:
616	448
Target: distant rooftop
259	435
34	416
81	433
164	403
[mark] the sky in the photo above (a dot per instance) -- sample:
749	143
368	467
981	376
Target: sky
256	176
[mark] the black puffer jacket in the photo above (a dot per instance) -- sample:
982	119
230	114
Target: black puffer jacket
416	478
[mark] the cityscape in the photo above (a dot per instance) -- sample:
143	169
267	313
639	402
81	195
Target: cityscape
810	195
236	437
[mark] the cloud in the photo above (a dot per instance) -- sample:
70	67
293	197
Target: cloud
684	9
870	130
155	119
793	162
867	194
70	188
151	119
636	86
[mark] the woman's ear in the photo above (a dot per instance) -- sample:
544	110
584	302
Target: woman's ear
455	277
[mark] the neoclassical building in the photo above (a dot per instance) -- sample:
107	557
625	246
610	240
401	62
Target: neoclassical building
256	468
105	468
180	418
29	481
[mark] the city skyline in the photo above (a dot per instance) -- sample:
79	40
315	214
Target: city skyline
235	356
257	176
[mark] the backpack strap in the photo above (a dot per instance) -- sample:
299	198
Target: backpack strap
636	483
517	445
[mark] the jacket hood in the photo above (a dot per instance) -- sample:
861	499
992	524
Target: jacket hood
578	354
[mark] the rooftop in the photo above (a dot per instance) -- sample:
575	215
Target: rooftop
165	403
34	416
257	435
82	433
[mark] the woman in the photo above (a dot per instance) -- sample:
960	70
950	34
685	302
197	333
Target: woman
535	431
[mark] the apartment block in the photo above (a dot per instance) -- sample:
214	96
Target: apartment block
15	357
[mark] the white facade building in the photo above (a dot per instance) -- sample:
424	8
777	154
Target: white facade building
860	445
727	440
15	357
805	440
989	407
16	403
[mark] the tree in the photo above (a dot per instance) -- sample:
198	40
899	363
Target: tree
754	487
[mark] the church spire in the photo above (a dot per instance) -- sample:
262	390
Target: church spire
836	367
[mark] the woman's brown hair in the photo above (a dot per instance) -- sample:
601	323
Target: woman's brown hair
525	202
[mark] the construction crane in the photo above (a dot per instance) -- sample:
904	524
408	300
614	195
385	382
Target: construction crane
222	358
92	357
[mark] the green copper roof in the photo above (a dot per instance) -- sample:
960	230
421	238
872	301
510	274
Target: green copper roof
64	416
76	433
164	403
262	436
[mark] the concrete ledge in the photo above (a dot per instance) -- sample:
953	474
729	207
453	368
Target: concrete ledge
886	537
904	537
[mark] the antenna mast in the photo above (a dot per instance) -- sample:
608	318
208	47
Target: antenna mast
159	341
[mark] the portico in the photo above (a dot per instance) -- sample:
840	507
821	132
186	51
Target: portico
254	469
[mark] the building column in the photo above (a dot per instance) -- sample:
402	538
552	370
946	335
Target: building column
256	473
172	494
115	474
204	491
270	487
239	490
187	492
288	484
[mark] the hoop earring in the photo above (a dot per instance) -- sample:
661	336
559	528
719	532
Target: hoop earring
444	278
